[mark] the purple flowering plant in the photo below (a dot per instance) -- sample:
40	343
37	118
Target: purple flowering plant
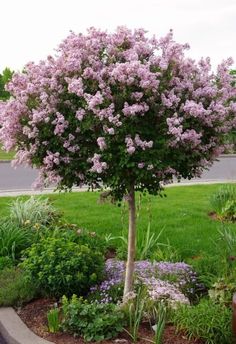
121	109
173	282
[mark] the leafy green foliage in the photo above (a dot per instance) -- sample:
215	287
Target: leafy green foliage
161	317
6	262
188	229
53	320
133	308
13	239
84	237
222	291
223	202
33	211
15	288
61	266
94	321
208	268
146	243
207	320
5	77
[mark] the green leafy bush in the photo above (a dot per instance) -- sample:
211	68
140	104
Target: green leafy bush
61	266
94	321
207	320
84	237
13	239
222	290
33	211
223	202
15	288
6	262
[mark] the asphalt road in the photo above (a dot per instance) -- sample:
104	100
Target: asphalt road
22	178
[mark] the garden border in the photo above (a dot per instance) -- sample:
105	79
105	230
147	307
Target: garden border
14	331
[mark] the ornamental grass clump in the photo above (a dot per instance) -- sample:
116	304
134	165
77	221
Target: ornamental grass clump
119	110
33	211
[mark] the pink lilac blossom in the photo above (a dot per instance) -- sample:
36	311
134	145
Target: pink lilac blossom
142	95
101	143
98	166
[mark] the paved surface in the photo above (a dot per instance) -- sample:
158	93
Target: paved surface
22	178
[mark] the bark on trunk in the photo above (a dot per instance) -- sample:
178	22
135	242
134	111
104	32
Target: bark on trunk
129	274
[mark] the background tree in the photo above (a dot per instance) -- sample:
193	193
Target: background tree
120	110
230	138
5	77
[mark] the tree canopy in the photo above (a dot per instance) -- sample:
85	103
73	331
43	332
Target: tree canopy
120	108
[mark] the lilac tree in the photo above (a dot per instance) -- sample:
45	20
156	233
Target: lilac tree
122	110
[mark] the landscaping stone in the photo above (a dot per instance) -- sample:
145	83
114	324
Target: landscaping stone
14	331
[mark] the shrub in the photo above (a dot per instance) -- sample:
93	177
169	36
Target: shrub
94	321
61	266
32	212
208	321
84	237
13	239
223	202
15	288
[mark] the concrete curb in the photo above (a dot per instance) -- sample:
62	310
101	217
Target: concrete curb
13	193
14	331
5	161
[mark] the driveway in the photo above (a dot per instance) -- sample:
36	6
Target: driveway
22	178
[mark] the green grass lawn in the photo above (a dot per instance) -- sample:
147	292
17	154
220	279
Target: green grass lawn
183	214
6	155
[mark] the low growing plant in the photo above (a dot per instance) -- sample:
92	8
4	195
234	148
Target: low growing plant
159	327
15	288
133	307
222	290
223	202
13	239
60	266
53	320
146	243
33	211
93	321
6	262
207	320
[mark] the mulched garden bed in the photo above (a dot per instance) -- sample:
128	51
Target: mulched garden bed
34	315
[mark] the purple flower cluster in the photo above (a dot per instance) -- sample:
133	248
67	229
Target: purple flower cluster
112	100
171	281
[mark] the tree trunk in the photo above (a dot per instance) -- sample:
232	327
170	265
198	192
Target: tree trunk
129	274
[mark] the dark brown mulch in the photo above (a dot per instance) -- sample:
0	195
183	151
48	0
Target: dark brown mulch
34	316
